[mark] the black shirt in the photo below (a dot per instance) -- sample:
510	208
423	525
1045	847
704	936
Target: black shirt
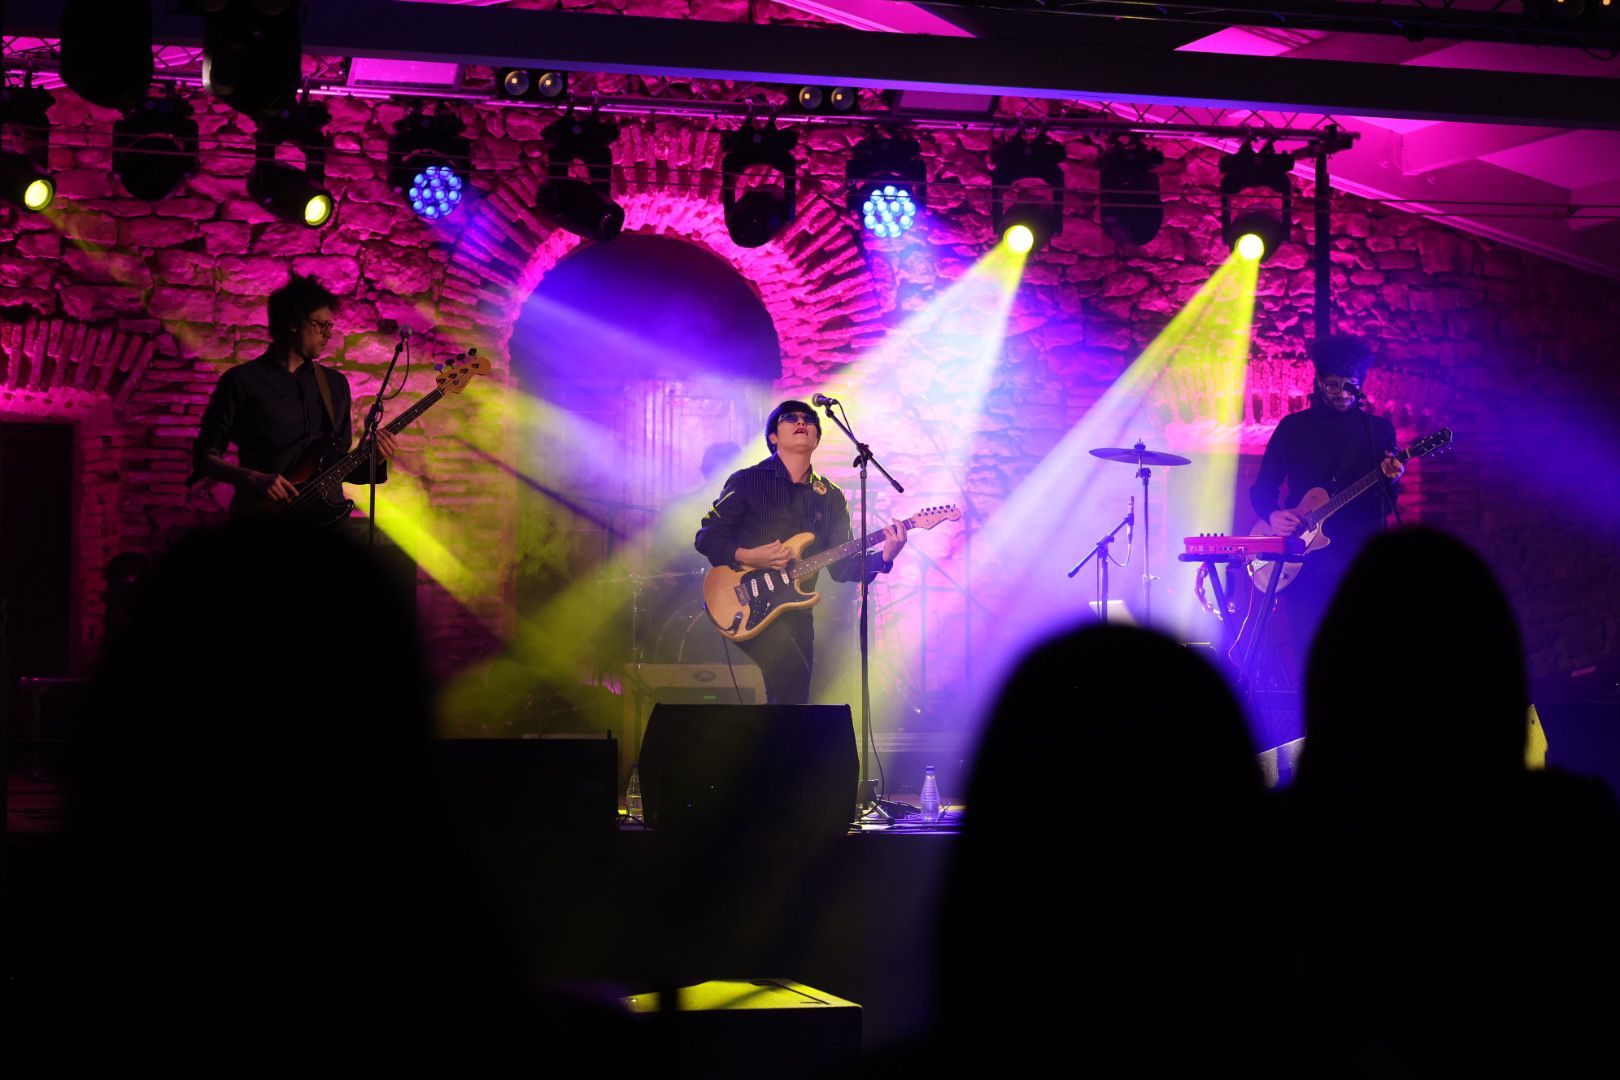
1321	447
272	414
762	503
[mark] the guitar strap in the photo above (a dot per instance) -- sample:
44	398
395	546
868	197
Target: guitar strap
326	398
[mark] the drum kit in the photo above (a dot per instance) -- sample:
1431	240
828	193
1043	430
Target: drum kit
1144	460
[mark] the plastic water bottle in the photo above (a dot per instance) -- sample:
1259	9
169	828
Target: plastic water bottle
930	795
632	793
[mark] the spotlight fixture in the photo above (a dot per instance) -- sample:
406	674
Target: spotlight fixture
25	179
584	207
155	147
252	55
428	163
824	100
1246	171
106	51
1129	203
755	217
887	184
525	84
1026	190
291	193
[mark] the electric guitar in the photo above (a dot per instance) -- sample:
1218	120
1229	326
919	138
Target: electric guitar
319	480
742	603
1313	511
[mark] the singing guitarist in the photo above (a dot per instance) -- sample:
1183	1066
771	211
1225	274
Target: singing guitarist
764	504
280	402
1333	442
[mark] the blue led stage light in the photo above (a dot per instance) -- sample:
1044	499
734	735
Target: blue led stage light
428	163
435	192
888	184
888	210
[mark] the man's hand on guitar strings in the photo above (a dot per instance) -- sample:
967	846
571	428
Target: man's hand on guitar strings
1392	466
894	538
387	443
771	556
1284	522
272	486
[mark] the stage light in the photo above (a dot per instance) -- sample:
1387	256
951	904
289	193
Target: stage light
1251	246
887	183
291	193
252	55
584	207
24	184
25	179
155	147
524	84
1020	238
1128	202
755	217
1026	188
1250	171
824	100
106	51
427	163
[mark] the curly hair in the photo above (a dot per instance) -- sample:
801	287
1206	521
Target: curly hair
295	302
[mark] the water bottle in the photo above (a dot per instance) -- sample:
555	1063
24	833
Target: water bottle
632	793
930	795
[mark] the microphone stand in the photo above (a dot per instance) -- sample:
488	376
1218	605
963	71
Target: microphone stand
868	802
373	420
1099	551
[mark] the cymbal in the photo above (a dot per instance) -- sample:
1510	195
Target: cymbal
1138	455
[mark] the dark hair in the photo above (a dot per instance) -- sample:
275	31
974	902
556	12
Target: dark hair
296	301
789	406
1346	357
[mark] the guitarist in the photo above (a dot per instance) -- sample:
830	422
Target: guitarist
280	402
764	504
1330	444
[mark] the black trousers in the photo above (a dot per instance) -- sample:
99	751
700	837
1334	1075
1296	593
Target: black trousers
784	653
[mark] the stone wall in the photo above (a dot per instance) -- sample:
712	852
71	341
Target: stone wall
1499	344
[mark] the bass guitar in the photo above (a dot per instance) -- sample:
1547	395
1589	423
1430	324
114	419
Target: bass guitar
318	474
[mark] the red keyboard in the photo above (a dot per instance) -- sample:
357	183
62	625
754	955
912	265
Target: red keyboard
1213	544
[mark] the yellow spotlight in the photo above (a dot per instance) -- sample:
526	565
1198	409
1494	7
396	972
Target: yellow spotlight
1020	238
38	195
317	209
1250	246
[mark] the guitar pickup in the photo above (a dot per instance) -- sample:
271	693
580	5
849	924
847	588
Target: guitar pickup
770	584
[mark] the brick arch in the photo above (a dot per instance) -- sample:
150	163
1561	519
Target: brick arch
812	279
67	369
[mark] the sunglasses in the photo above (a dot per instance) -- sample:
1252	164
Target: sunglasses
799	418
1338	386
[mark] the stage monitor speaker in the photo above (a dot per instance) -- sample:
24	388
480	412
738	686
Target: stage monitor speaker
649	685
760	1027
789	768
512	789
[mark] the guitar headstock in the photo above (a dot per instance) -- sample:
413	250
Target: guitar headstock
457	373
933	515
1430	444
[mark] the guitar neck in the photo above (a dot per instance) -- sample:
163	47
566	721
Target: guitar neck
820	562
361	453
1351	493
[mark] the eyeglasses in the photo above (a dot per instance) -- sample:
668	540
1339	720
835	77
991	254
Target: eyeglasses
799	418
323	327
1340	386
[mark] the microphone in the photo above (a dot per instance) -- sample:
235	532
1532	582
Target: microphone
821	401
1130	522
1356	391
